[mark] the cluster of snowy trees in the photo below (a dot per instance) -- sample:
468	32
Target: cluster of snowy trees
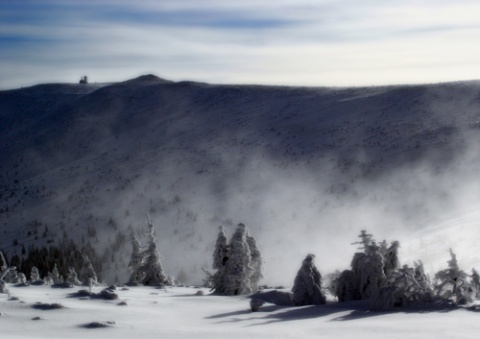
75	268
63	256
376	275
238	263
86	276
145	263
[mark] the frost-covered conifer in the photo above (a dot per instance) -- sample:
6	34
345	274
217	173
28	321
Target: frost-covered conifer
365	240
12	277
401	289
421	277
370	272
151	270
72	277
4	271
237	267
136	262
307	287
54	276
35	275
87	273
22	279
452	283
256	262
220	257
476	281
383	248
221	250
238	263
392	261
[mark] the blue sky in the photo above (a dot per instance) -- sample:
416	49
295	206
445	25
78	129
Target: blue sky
301	42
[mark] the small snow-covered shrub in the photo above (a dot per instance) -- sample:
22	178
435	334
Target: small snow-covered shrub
106	294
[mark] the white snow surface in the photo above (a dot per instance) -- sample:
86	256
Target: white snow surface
177	312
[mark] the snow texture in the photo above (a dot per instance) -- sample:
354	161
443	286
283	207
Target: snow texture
177	312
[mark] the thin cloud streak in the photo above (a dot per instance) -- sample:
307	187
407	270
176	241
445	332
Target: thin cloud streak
300	43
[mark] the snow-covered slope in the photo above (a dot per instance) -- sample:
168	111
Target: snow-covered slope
304	168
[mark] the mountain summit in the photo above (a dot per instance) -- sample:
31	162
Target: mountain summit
149	78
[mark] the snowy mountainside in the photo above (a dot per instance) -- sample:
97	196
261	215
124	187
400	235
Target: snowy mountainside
304	168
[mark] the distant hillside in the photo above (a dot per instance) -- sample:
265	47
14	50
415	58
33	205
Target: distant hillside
304	168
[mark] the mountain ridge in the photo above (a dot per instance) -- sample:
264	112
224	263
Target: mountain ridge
196	155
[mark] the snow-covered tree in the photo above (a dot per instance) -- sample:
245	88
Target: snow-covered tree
392	261
221	249
238	263
151	270
35	275
72	277
376	276
401	289
383	248
369	270
54	276
22	279
452	283
367	273
4	270
237	267
475	281
307	287
136	262
220	257
365	240
87	273
421	277
256	262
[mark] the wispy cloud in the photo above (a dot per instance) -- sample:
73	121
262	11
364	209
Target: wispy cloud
284	42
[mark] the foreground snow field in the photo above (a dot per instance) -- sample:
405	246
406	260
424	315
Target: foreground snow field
178	312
